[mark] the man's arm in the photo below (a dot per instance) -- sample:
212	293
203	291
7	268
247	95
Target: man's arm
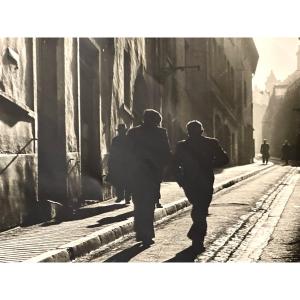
220	156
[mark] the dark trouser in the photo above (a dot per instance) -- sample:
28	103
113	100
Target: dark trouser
122	193
144	198
200	200
265	158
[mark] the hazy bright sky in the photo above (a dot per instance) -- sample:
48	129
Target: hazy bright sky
277	54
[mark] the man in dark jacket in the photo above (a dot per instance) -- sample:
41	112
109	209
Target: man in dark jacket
286	152
149	154
194	160
118	165
264	150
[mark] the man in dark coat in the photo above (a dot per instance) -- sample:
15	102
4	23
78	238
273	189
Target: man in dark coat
194	160
118	165
149	154
264	150
286	152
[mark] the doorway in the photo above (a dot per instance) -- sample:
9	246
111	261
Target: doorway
91	172
51	143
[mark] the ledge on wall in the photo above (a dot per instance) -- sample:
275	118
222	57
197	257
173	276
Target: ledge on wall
16	106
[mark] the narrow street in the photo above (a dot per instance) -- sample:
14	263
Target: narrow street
149	150
23	243
254	220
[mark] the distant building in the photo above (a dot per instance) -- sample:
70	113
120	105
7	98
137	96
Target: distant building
280	118
210	79
260	103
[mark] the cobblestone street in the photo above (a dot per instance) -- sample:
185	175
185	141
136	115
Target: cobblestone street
253	217
243	225
149	150
24	243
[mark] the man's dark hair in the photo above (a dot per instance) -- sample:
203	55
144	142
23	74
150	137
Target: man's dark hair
194	128
152	117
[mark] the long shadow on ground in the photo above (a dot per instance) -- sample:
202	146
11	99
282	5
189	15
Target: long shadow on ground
127	254
86	212
186	255
111	220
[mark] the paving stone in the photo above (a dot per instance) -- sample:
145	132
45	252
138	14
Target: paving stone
49	236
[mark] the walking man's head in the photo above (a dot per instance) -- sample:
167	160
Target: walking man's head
194	128
265	141
152	118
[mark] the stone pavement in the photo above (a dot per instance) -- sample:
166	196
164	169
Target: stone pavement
20	244
171	243
284	245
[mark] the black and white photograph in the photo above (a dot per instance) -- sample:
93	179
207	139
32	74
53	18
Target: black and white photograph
148	150
142	149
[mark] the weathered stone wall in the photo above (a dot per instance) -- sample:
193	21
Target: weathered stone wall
281	121
71	93
17	76
183	108
112	91
214	89
18	181
17	172
71	78
136	49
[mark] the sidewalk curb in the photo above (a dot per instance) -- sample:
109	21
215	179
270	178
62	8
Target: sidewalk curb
102	237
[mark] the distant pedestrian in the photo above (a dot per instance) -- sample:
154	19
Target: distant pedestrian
264	150
149	154
118	165
286	152
194	160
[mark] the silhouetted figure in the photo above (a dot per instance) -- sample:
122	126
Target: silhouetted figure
286	152
264	150
149	154
194	161
118	165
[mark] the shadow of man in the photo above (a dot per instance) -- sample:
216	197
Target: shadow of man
127	254
111	220
187	255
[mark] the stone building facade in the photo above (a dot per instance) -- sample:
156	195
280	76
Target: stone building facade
61	100
18	147
281	120
260	103
210	79
60	103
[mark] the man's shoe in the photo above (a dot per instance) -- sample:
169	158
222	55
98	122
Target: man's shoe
147	243
127	202
158	205
198	247
119	200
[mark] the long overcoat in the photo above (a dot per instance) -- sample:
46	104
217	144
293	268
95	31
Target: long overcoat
149	153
